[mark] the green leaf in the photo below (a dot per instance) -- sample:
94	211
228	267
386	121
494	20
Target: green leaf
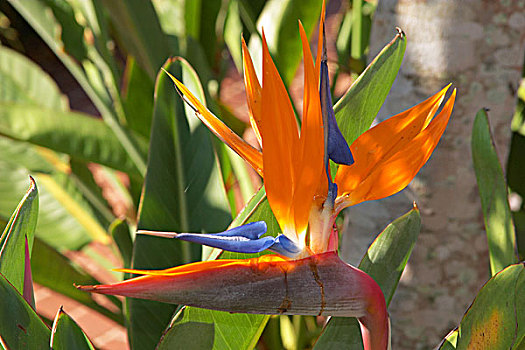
138	98
183	192
493	192
356	110
496	318
224	330
20	326
73	133
23	82
21	227
279	19
139	30
40	16
384	261
67	334
56	224
53	270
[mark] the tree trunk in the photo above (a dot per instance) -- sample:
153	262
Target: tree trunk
478	46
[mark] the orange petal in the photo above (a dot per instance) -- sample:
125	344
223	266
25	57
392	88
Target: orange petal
308	163
253	91
396	165
320	44
225	134
280	138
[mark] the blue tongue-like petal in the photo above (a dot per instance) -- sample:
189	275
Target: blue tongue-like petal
336	147
242	239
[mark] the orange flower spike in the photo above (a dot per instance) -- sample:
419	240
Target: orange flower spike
308	163
375	176
253	91
280	139
225	134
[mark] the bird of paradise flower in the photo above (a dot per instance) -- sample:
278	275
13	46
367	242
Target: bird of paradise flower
306	276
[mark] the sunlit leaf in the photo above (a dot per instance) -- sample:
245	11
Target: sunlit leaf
496	318
493	192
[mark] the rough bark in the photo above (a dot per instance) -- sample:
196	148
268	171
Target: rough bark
478	46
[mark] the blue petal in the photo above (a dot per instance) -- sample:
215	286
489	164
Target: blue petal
242	239
285	246
337	148
252	230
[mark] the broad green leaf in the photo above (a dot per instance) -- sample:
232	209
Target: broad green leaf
20	326
73	133
493	192
356	110
40	16
53	270
384	261
279	20
67	334
496	318
183	192
55	225
139	30
19	230
23	82
450	341
224	330
138	98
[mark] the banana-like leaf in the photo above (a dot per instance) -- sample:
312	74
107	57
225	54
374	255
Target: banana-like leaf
17	242
183	192
493	192
66	334
73	133
23	82
384	261
56	224
47	22
356	110
496	318
20	326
